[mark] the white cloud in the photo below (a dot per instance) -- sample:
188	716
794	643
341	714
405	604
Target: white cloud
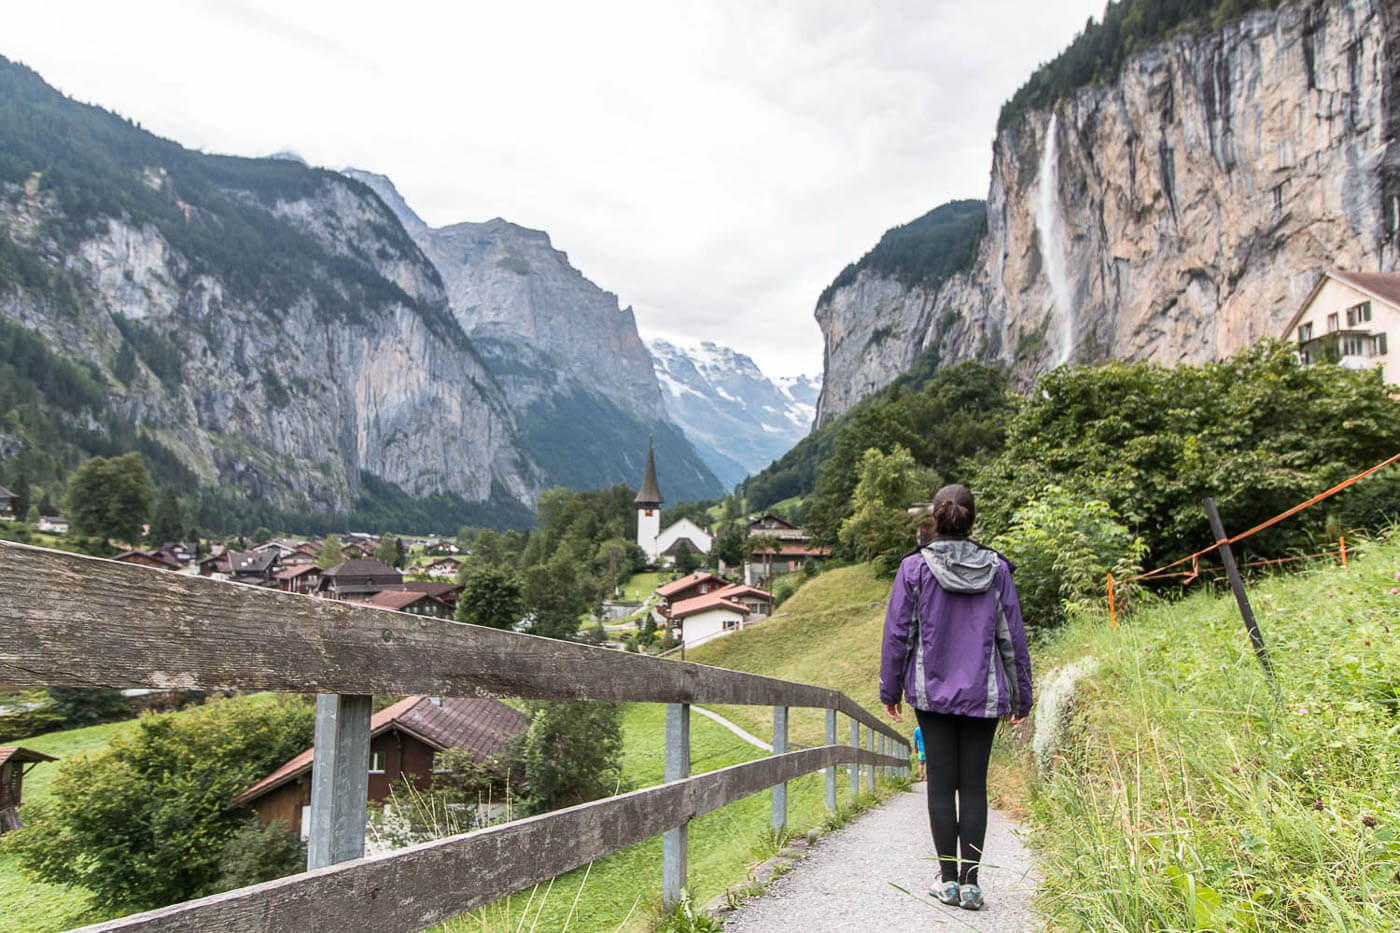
714	162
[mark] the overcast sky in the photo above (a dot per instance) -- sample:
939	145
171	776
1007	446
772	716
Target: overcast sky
715	163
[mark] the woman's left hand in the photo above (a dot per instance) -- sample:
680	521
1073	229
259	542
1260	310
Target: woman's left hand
894	711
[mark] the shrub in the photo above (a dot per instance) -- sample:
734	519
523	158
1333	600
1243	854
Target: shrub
1063	547
570	754
144	822
257	853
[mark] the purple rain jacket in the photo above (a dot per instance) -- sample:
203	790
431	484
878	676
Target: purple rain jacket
954	641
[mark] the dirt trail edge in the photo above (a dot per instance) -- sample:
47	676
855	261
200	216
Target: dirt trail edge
848	879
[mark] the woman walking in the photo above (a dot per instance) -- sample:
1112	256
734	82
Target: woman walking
955	648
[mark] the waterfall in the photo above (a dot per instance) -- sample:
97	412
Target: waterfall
1050	232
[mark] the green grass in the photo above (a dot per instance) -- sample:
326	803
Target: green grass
1184	796
622	890
641	586
27	905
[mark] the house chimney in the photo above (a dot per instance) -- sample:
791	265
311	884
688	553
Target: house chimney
436	701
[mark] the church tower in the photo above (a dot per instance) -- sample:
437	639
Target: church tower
648	504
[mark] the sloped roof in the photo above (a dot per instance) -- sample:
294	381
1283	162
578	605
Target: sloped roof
699	604
362	567
291	573
23	755
5	493
483	726
1382	286
650	493
251	561
397	600
668	590
736	590
438	588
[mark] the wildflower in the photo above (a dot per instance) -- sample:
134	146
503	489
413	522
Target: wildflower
1317	804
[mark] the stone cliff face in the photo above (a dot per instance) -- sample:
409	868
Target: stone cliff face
259	327
1174	215
282	402
569	360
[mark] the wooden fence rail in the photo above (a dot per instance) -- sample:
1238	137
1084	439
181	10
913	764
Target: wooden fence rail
70	620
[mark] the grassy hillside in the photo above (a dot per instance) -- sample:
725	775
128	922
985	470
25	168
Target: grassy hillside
1185	796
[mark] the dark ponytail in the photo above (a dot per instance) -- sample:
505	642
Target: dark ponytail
954	511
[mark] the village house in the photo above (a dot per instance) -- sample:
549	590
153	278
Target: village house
769	525
302	578
9	502
444	568
702	618
446	593
689	586
355	551
13	759
442	546
157	558
773	558
53	524
216	565
1348	318
419	604
258	568
357	578
405	739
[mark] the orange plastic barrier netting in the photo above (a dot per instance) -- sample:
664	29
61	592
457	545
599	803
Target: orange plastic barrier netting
1194	572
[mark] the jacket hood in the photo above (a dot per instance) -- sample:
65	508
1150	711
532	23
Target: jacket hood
960	565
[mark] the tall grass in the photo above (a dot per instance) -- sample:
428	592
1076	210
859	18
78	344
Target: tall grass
1186	795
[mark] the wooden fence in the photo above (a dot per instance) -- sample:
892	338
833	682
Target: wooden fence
73	621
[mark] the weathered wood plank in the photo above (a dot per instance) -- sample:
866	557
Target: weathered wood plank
417	887
75	621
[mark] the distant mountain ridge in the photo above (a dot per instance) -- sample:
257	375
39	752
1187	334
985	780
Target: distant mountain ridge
738	418
277	344
570	361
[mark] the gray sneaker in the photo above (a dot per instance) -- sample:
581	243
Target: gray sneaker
947	892
970	897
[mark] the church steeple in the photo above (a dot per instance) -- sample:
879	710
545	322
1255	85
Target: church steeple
649	496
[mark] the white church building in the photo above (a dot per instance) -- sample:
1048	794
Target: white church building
662	545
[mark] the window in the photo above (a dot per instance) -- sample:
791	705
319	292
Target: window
1332	325
1359	314
305	823
1354	346
1378	347
376	762
1305	332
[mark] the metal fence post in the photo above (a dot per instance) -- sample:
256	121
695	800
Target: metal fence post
884	771
673	842
780	747
831	771
870	768
855	767
339	780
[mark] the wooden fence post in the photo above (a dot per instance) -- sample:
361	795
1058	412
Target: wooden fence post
780	747
339	780
831	771
855	768
673	842
1227	557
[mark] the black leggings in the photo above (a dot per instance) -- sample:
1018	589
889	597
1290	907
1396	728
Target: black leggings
958	749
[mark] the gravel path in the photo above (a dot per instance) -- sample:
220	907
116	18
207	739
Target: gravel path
847	881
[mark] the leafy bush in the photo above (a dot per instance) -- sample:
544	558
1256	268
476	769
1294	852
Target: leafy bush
144	822
1062	548
84	706
255	853
880	523
570	754
1258	431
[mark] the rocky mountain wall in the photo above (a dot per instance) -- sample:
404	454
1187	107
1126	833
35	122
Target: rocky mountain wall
1175	215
